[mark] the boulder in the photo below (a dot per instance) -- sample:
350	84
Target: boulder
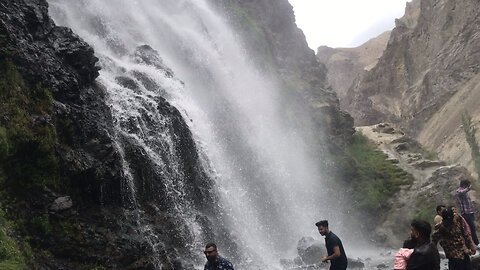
61	204
310	250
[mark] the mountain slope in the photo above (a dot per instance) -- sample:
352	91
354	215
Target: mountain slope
345	64
426	77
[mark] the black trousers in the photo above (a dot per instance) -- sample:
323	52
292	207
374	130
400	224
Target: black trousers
339	266
460	264
470	218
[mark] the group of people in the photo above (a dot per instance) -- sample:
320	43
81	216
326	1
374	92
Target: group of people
335	252
455	232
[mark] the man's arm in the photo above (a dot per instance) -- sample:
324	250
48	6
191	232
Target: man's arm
464	190
435	237
336	254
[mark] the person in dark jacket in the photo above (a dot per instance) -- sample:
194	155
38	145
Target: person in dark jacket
215	261
425	254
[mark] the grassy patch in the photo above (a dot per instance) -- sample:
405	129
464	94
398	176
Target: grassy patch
27	139
11	258
376	178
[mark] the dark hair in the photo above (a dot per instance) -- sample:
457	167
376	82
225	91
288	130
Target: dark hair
423	227
323	223
465	183
211	245
447	217
440	206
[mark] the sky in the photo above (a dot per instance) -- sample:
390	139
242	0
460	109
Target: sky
345	23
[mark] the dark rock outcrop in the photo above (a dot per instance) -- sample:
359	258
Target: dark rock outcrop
81	218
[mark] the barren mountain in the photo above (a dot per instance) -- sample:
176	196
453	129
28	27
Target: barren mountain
345	64
427	77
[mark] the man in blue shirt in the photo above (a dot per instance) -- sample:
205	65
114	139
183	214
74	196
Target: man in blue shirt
335	251
215	261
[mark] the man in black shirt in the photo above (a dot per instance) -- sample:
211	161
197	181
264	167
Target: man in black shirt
336	253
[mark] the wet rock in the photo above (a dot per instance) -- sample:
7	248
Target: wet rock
382	266
355	263
147	55
61	203
310	250
288	264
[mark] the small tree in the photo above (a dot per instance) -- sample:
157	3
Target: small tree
470	131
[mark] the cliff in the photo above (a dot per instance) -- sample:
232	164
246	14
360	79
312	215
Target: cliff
427	77
346	64
62	181
270	32
67	198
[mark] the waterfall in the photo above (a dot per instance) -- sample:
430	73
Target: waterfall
269	185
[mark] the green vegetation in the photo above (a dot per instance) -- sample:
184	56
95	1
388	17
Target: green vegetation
26	138
11	258
425	209
376	178
253	34
470	131
27	161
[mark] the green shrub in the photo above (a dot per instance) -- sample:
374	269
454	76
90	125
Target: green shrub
41	225
26	149
11	257
376	178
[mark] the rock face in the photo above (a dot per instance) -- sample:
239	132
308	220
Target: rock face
62	170
270	31
346	64
73	204
434	183
427	77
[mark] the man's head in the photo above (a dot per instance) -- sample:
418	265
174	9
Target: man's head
440	208
211	252
420	230
322	226
464	183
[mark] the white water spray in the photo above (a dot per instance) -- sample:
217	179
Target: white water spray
268	184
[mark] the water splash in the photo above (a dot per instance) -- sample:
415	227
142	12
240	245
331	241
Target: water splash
268	183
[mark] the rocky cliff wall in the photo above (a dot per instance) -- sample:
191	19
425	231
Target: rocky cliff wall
270	32
63	183
427	76
346	64
61	174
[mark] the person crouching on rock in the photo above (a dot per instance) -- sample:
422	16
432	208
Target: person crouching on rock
425	254
215	261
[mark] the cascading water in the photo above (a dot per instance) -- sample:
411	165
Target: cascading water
269	187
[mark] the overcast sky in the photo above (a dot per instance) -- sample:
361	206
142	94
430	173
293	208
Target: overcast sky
345	23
